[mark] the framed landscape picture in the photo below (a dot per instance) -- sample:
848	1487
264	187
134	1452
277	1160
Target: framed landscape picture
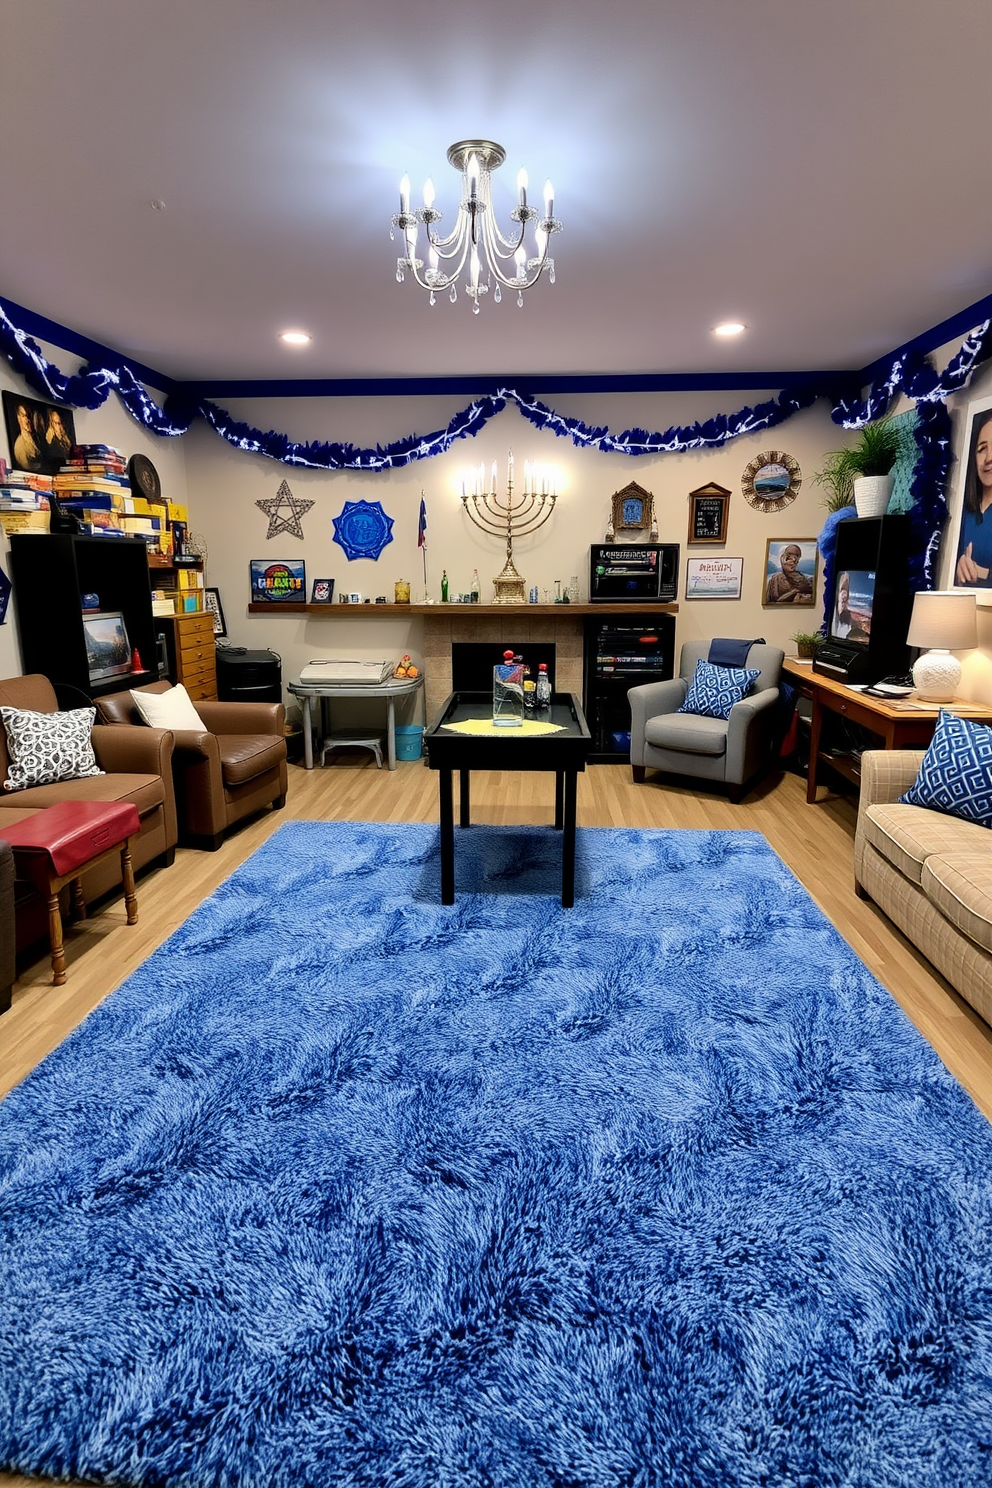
40	435
713	578
790	572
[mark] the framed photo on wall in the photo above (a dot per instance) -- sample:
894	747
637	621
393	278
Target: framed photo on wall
40	435
971	521
709	507
211	602
714	578
790	572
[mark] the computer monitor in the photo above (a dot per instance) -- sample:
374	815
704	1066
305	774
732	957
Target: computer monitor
855	599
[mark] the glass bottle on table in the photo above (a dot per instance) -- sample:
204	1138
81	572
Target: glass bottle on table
508	692
444	586
542	692
475	591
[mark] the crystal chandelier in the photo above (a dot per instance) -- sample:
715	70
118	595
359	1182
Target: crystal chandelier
476	242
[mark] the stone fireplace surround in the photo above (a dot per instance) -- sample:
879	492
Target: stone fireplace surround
514	627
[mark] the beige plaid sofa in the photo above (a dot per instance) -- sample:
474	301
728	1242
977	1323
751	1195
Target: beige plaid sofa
930	873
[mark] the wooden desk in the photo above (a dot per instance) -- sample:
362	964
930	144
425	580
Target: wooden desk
901	724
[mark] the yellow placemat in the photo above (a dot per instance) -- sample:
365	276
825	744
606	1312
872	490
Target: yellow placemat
529	729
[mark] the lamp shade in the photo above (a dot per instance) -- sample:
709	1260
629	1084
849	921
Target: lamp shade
943	619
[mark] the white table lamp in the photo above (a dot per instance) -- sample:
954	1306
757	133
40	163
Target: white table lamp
944	620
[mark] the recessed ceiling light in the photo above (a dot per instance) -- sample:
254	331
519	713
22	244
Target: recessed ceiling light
729	328
295	338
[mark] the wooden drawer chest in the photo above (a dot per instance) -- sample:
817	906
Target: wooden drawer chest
192	653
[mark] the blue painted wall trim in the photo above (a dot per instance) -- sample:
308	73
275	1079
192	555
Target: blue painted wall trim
841	383
952	329
90	351
487	385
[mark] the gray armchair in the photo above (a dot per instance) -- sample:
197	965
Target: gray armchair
731	751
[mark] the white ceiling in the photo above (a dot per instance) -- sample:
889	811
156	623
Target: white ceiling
815	168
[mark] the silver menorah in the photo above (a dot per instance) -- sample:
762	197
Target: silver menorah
510	519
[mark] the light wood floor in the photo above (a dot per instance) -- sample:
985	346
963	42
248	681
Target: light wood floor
815	841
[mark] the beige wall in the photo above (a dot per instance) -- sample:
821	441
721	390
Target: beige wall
221	485
224	485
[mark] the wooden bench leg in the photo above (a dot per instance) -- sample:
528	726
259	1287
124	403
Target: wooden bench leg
127	877
77	900
55	940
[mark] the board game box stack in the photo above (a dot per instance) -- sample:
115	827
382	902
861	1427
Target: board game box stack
24	500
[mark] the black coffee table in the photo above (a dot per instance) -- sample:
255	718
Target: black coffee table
564	752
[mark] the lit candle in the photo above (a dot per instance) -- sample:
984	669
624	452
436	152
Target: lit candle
433	259
428	192
509	467
522	184
405	193
549	199
473	176
521	261
494	477
463	490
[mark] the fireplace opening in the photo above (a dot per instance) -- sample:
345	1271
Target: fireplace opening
472	662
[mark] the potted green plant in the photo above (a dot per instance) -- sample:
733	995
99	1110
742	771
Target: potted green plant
862	473
806	644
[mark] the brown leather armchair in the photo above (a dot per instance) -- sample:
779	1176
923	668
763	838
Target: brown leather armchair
233	769
138	769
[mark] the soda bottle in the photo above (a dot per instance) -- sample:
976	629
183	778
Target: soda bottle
542	693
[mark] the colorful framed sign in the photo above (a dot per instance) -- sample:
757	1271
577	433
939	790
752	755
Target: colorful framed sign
278	581
714	578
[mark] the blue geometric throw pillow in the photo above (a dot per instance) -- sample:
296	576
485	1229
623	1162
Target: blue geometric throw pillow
956	773
714	690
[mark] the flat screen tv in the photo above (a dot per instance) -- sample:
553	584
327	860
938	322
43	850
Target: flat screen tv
108	650
855	599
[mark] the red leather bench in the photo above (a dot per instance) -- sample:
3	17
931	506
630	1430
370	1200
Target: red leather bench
53	847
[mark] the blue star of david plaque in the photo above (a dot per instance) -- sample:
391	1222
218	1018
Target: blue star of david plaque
363	529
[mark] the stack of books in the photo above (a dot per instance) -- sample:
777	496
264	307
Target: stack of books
93	485
24	500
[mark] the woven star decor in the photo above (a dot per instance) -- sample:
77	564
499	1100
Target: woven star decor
275	508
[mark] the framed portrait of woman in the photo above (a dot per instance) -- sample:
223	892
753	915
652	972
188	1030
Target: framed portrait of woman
971	519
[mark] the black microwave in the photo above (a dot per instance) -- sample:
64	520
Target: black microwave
634	573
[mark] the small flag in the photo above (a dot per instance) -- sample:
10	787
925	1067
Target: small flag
422	529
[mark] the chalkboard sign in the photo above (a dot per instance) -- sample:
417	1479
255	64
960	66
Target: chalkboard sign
708	510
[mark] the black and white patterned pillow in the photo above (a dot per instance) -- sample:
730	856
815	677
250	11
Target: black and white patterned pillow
44	748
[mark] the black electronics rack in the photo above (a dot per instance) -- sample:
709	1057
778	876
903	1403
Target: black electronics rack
622	652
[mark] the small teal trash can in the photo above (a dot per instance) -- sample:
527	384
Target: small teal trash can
409	741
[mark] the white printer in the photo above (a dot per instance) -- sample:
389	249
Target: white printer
345	673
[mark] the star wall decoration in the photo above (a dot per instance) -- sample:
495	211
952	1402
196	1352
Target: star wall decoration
274	507
363	529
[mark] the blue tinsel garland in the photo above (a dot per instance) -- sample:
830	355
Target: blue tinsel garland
909	373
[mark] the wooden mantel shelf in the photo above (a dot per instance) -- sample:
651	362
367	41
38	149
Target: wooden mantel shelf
396	611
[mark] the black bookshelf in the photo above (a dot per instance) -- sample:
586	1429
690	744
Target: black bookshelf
50	574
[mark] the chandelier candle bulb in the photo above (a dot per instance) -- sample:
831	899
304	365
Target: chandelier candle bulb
549	199
522	184
405	194
428	193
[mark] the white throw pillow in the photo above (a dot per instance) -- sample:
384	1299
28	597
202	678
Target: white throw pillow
44	748
169	710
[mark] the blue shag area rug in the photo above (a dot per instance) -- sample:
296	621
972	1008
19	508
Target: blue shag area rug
348	1189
